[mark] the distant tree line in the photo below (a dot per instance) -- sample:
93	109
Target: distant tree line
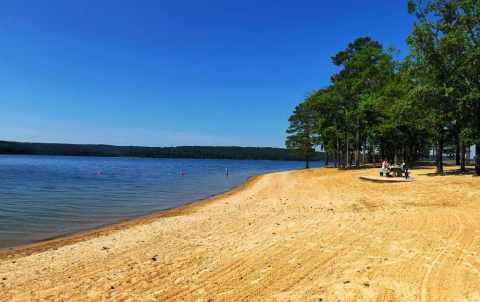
377	107
16	148
194	152
200	152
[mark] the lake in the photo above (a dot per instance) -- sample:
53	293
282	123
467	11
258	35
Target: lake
43	197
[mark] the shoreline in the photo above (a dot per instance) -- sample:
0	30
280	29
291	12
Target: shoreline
68	239
305	235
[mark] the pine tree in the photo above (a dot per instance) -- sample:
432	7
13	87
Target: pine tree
301	140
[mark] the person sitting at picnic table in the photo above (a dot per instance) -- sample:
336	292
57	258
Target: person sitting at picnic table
385	166
402	165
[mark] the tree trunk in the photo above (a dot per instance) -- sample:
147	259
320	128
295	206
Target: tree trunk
477	159
337	154
411	153
462	159
373	155
326	159
347	155
382	150
457	153
364	153
357	150
439	159
307	161
467	156
405	152
433	157
343	156
395	159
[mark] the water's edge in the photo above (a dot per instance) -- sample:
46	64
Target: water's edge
47	198
68	239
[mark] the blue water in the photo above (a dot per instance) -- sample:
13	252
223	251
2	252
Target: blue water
42	197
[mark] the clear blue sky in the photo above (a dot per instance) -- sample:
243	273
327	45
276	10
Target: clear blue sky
169	73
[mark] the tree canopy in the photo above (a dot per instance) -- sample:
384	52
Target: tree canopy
301	139
390	109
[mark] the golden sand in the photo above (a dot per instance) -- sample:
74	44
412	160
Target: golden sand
310	235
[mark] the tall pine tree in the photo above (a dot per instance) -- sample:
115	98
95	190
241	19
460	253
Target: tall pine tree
301	139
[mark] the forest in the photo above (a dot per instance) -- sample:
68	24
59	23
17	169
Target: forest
379	107
196	152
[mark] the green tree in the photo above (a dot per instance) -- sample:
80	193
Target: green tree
301	138
362	85
436	53
353	82
460	23
329	122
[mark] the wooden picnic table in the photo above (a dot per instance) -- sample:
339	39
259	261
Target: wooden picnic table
395	172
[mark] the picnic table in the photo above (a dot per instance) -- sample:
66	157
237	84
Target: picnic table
395	172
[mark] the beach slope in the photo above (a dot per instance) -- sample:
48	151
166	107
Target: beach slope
309	235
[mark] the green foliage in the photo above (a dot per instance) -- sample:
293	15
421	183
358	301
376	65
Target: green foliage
16	148
195	152
432	98
444	50
411	6
206	152
351	110
301	139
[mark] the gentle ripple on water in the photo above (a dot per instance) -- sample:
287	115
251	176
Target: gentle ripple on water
43	197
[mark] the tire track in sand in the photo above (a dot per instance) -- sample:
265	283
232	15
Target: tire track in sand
423	295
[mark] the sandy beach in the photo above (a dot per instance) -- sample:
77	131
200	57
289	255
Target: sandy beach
308	235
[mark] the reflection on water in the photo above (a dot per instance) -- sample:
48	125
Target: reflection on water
44	196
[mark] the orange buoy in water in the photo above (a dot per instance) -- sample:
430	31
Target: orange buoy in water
99	173
181	173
